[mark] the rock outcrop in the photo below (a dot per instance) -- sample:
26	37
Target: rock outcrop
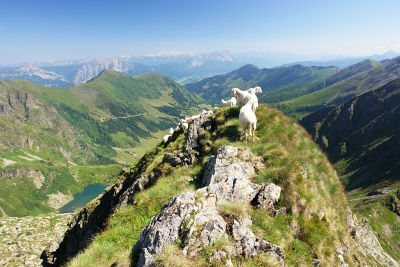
367	242
196	219
33	173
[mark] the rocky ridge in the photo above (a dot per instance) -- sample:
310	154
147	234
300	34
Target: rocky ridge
195	218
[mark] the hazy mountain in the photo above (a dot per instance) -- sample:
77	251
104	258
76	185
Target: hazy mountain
56	141
35	74
218	87
347	61
177	66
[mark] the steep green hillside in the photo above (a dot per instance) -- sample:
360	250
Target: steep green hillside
364	134
342	90
288	78
53	139
362	138
290	92
314	227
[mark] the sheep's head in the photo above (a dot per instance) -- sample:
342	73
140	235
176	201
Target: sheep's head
234	91
257	89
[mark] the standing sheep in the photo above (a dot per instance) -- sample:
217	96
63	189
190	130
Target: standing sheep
230	103
248	119
242	96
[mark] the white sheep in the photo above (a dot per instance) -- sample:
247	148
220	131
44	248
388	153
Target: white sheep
248	119
255	90
254	98
242	96
230	103
171	131
166	138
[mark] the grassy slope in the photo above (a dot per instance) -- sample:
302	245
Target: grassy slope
342	90
317	201
218	87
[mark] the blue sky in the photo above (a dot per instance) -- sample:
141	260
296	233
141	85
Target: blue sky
36	30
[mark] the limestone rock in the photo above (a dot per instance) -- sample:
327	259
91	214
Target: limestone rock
164	227
267	197
198	123
366	240
171	159
194	218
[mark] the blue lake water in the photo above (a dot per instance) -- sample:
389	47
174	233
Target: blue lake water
90	192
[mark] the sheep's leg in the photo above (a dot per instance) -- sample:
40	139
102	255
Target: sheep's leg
254	131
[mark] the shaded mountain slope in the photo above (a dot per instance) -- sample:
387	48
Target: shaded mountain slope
362	138
364	132
310	227
218	87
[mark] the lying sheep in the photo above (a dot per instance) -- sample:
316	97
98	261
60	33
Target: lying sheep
242	96
230	103
248	119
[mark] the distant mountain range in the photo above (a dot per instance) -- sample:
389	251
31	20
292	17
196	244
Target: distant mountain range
178	66
184	67
56	141
346	61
